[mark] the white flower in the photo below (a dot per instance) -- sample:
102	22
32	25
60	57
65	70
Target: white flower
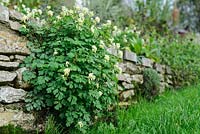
25	18
24	26
92	29
50	13
115	28
111	40
55	52
48	7
94	49
15	7
23	6
91	14
67	71
64	9
107	58
67	63
43	21
80	124
85	10
109	22
97	19
91	76
58	17
39	11
101	46
100	93
117	45
81	15
80	21
77	7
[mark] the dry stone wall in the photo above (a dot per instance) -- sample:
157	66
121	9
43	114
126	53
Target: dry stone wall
12	89
132	74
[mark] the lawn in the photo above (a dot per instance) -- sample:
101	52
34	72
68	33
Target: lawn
174	112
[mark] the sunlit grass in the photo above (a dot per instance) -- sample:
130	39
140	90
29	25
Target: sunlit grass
175	112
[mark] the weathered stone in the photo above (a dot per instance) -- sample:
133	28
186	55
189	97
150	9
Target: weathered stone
137	78
17	118
122	66
20	57
14	25
119	88
127	85
147	62
7	77
125	95
124	77
20	83
4	14
12	57
8	35
8	65
11	95
132	68
2	41
162	87
4	58
168	70
159	68
112	51
15	48
162	77
14	15
130	56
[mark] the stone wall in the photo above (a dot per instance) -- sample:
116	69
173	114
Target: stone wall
12	90
132	73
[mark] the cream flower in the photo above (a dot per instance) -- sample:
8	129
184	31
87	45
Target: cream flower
117	45
91	76
39	11
48	7
107	58
109	22
115	28
67	63
92	29
94	48
100	93
67	71
50	13
97	19
81	15
58	17
80	124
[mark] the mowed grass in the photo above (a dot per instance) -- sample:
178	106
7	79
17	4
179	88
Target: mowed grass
175	112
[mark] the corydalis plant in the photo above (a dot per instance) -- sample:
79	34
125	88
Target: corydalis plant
69	71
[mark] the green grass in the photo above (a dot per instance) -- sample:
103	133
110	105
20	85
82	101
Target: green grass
175	112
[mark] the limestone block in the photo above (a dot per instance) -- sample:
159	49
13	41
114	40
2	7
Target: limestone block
11	95
4	58
125	95
162	77
14	48
130	56
20	57
14	15
147	62
4	14
168	70
131	68
7	77
9	65
137	78
19	82
159	68
14	25
127	85
124	77
17	118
